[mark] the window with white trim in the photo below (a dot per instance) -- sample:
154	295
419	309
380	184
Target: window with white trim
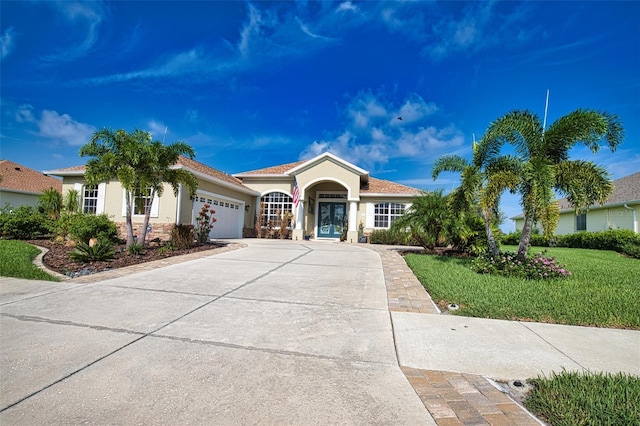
142	202
272	206
90	199
387	213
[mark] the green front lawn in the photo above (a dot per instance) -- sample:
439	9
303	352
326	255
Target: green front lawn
16	260
603	291
571	398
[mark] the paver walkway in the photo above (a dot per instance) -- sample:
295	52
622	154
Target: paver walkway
451	398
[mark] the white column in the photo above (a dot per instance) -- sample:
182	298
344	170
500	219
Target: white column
300	215
353	215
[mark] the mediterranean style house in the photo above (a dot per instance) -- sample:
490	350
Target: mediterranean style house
326	196
22	186
620	210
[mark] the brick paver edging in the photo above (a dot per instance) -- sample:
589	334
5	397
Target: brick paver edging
404	292
451	398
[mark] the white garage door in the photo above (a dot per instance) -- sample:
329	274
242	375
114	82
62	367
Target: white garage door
229	214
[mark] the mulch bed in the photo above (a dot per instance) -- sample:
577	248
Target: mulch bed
57	258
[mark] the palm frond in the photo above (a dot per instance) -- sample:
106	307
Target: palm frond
583	183
449	163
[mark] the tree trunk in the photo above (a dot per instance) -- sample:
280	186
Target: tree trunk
147	214
525	239
128	220
493	247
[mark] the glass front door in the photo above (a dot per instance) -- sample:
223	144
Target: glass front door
331	219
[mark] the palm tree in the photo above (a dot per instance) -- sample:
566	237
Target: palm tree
50	202
484	179
432	223
71	201
545	168
141	165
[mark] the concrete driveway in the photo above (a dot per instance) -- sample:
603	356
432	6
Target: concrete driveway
276	333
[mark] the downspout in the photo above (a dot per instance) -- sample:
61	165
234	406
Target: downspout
634	217
179	206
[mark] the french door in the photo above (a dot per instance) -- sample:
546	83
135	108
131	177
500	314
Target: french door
331	219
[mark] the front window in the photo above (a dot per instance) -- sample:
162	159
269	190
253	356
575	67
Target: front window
142	202
581	222
387	213
90	199
272	207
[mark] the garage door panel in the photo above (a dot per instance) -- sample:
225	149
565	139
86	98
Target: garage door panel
228	215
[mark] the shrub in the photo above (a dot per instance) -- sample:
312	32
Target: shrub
182	236
631	250
24	223
604	240
135	249
102	250
205	221
392	237
81	227
167	248
508	264
536	240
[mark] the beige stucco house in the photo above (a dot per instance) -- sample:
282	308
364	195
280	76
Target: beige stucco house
620	211
22	186
332	196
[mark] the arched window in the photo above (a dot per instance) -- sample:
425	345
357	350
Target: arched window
272	206
387	213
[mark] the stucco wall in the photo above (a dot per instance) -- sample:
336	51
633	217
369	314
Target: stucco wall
597	220
330	171
15	199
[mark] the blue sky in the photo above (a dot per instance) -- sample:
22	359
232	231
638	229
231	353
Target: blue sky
255	84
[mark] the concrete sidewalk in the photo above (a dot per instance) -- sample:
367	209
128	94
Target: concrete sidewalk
275	333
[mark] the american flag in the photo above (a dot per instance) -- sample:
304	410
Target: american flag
296	192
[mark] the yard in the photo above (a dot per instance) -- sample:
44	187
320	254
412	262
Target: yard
603	291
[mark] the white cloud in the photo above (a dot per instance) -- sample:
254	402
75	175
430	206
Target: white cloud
7	42
347	6
64	128
374	134
87	16
24	114
157	129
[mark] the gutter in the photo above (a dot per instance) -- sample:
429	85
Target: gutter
634	217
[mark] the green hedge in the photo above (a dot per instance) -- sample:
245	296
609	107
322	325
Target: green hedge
620	240
81	227
24	223
391	237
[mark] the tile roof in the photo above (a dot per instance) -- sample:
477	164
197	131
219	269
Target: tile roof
274	170
182	161
209	171
380	186
624	189
20	178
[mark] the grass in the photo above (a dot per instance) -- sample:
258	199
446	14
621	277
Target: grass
604	290
571	398
16	260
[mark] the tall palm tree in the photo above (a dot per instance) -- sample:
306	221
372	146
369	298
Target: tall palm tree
141	165
484	179
545	165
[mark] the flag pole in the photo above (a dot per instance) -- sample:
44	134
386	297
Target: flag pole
546	107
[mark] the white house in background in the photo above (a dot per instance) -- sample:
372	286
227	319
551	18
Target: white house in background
334	196
22	186
620	210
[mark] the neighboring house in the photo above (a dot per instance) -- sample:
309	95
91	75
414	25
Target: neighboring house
620	210
333	195
22	186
